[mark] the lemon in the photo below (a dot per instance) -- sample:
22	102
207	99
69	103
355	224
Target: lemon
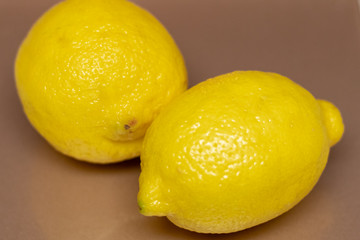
93	74
235	151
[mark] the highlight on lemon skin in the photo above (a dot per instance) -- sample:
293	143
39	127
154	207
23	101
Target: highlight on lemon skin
92	76
235	151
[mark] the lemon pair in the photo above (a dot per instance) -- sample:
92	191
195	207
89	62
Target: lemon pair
232	152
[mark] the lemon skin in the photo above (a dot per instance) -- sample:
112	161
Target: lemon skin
235	151
92	76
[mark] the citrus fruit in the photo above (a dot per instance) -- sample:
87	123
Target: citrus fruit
93	74
235	151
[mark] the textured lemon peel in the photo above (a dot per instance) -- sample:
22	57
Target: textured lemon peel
87	69
283	150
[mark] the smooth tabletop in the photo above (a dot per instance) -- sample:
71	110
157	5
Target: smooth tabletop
45	195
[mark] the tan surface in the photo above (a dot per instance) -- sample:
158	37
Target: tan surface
45	195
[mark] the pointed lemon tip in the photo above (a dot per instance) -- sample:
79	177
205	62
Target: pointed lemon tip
333	121
154	208
150	198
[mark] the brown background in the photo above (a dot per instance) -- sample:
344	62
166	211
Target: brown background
45	195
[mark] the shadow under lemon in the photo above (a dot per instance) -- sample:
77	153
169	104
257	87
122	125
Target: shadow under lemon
69	199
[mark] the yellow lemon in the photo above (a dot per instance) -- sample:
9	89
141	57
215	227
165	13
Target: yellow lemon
93	74
235	151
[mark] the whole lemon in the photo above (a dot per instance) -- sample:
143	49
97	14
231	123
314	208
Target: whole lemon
93	74
235	151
